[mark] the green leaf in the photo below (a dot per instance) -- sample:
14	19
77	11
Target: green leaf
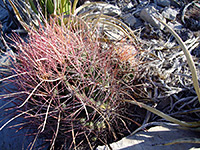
65	6
74	6
50	6
33	7
47	7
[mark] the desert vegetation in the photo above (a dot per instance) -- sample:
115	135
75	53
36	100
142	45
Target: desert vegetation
76	87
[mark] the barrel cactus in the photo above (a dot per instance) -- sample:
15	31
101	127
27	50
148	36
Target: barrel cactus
72	85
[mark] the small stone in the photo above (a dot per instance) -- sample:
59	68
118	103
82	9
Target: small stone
129	19
192	24
163	3
169	13
111	10
138	23
175	25
108	9
185	34
6	60
128	7
122	4
150	14
196	52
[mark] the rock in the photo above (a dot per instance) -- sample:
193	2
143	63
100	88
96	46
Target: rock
192	24
185	34
150	33
196	51
111	10
139	23
108	9
155	135
6	60
150	14
169	13
128	7
129	19
122	4
175	26
163	3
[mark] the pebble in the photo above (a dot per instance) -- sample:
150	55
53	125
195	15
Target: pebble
129	19
163	3
175	25
149	14
169	13
196	51
108	9
128	7
185	34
